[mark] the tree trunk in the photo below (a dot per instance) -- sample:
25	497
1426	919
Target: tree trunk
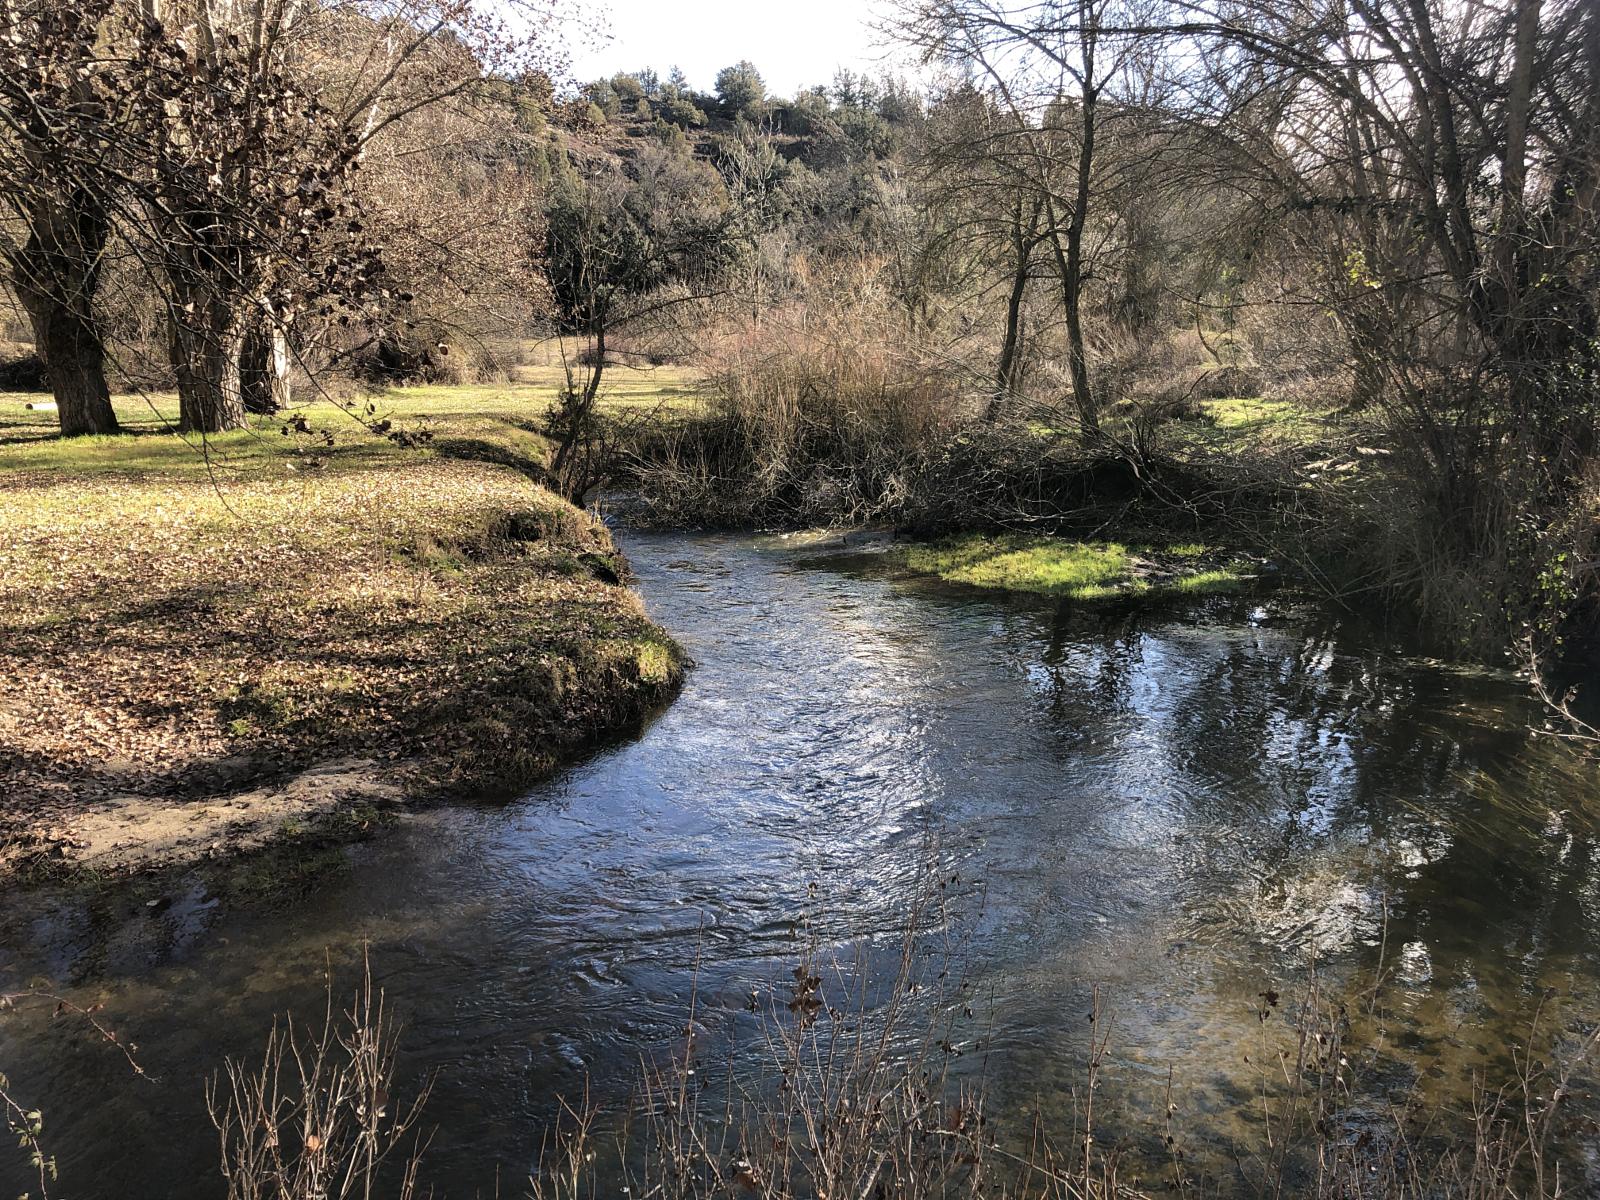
55	279
264	368
74	362
205	360
1069	262
1516	330
578	463
1078	362
1007	374
1072	268
1069	255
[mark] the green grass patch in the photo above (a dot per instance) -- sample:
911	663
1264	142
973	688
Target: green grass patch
497	422
1268	422
1074	570
1219	580
1235	422
1016	563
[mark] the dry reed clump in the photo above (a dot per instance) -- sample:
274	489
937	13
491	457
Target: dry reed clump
833	415
825	421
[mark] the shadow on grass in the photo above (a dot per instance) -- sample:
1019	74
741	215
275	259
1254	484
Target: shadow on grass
487	450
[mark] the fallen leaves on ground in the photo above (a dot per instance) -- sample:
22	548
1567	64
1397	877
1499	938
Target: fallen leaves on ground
178	637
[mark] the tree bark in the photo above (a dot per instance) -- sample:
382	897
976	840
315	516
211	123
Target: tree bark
74	363
264	368
56	277
205	360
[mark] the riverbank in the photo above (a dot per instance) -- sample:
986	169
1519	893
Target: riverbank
286	634
1332	496
1061	567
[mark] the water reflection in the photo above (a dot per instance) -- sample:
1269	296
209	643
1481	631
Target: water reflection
1180	806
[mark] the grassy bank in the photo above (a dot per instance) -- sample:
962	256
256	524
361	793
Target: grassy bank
273	634
1076	570
833	432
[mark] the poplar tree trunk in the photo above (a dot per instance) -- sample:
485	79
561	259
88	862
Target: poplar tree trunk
56	277
264	368
204	346
74	363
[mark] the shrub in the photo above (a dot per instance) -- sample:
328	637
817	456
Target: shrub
828	422
604	97
740	88
683	112
628	88
419	358
24	373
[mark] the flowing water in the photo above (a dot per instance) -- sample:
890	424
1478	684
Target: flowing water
1179	806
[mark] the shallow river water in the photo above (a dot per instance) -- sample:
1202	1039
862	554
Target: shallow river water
1179	806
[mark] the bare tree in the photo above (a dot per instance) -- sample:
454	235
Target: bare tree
252	179
1439	166
621	248
989	216
1069	78
217	141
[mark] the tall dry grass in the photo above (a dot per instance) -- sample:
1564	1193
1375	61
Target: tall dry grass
316	1118
817	414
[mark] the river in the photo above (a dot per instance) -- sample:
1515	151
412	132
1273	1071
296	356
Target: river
1179	805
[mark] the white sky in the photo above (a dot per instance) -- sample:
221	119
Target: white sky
795	44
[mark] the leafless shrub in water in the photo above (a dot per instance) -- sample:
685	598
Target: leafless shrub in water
316	1119
850	1089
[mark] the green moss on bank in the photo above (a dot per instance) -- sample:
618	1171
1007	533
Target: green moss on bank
1074	570
1015	563
1264	425
181	630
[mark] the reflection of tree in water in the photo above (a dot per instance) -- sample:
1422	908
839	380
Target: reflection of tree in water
1324	794
1320	769
1452	817
1086	667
